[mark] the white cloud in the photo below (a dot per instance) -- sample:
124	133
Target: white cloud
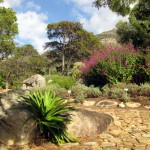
32	27
11	3
103	20
95	20
81	2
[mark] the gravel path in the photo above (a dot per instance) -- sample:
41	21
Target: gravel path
130	131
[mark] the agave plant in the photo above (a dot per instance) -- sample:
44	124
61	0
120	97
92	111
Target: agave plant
51	114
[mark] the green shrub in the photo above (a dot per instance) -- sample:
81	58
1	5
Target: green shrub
2	82
118	93
80	92
115	92
76	73
63	81
134	89
53	71
145	89
62	92
93	92
51	114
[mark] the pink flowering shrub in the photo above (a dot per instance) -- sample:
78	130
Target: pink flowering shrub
147	60
117	64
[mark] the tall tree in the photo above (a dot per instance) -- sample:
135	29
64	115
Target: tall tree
70	41
137	30
8	29
121	7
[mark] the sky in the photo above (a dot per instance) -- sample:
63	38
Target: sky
33	16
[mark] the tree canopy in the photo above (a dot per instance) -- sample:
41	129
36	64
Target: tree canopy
137	30
121	7
70	42
8	30
24	62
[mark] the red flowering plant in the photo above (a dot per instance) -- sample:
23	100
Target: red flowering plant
147	61
118	64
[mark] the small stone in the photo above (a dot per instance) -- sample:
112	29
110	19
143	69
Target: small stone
70	144
125	149
143	140
109	148
146	135
147	107
115	132
139	146
105	144
90	143
88	103
122	105
10	142
115	140
106	136
117	123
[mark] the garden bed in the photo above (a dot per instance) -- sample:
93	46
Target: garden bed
143	100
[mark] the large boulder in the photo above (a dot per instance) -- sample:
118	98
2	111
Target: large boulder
86	123
15	130
34	81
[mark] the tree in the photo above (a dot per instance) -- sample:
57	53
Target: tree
69	41
25	50
121	7
25	62
8	29
137	30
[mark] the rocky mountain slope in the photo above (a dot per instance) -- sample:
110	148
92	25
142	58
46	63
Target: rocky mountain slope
108	37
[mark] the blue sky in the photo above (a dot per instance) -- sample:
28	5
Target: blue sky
34	15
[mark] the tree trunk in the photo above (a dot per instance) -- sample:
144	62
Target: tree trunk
63	63
7	84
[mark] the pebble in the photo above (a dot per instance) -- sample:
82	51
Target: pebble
88	103
90	143
147	107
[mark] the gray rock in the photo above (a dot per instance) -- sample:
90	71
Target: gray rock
86	123
34	81
14	127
